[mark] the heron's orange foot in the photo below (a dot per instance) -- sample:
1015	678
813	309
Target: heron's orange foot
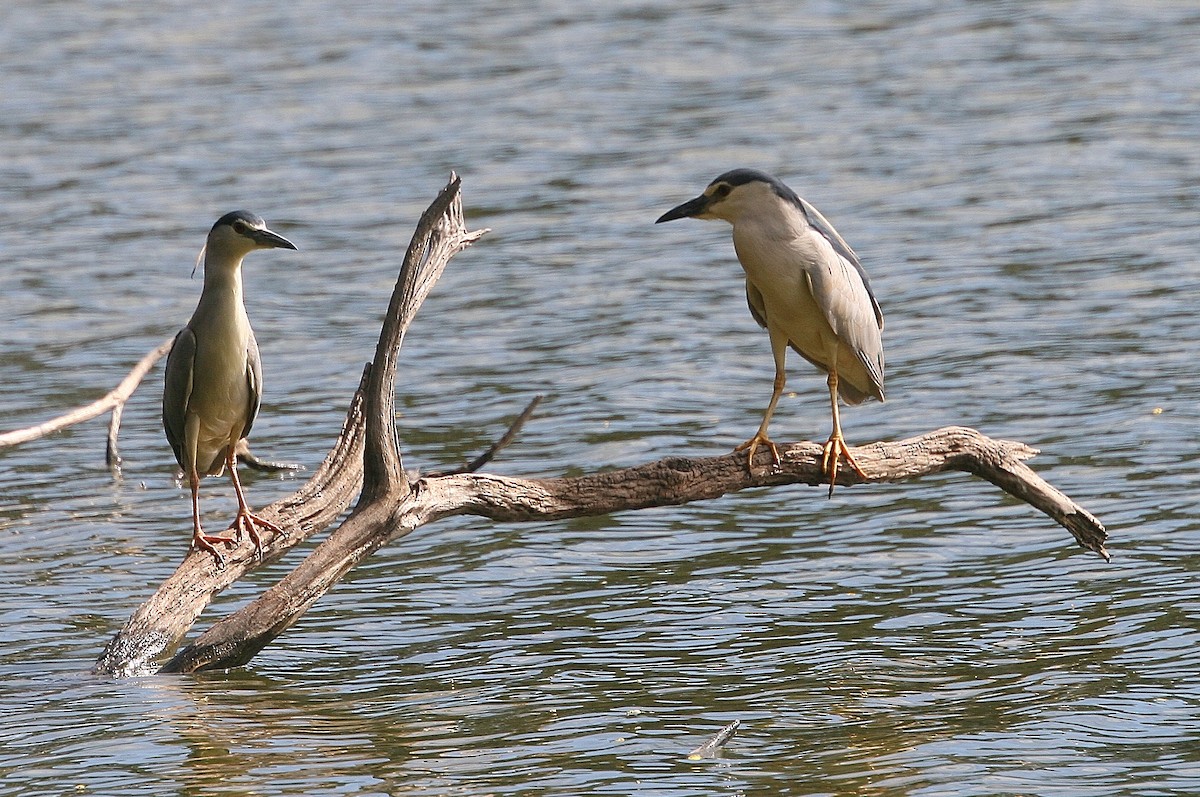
209	543
751	446
831	454
248	524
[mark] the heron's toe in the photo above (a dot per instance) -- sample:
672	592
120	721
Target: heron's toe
832	453
751	448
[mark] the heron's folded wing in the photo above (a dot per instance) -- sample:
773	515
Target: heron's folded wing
842	290
758	307
254	380
177	390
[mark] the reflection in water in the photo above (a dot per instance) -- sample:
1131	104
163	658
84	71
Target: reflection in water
1021	183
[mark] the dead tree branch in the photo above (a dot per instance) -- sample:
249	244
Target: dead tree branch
676	480
114	400
392	504
159	623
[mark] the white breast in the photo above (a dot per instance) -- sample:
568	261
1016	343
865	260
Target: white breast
778	263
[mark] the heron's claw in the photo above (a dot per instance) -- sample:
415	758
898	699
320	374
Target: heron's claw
751	446
248	524
833	451
209	543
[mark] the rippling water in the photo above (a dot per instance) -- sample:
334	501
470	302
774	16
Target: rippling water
1022	182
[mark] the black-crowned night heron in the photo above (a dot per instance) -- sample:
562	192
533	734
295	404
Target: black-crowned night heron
214	375
806	286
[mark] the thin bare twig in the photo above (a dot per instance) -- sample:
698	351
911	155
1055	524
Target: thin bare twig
487	456
113	400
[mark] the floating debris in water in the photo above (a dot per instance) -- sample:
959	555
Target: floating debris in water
714	745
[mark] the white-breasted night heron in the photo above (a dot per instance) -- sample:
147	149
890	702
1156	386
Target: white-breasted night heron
806	287
213	383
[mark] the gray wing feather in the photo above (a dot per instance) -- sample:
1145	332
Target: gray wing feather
841	288
844	300
758	307
254	380
822	226
177	390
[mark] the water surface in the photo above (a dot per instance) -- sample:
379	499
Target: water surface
1021	181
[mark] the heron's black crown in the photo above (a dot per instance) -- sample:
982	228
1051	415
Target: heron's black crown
253	219
736	177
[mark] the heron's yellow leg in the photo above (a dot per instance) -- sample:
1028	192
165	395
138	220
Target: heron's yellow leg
760	437
246	521
835	448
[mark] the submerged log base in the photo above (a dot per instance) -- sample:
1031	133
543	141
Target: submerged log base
392	504
159	623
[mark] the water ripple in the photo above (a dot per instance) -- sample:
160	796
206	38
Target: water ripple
1019	179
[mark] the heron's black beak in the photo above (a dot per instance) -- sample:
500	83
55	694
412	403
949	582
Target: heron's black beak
270	240
693	207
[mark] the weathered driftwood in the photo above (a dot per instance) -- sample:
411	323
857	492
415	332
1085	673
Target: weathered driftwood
248	458
113	401
391	504
159	623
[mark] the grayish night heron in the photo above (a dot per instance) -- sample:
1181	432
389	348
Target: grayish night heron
214	375
806	286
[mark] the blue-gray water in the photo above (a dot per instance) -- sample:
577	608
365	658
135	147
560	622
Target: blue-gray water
1022	182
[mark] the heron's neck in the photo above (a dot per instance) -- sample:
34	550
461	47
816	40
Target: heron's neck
223	277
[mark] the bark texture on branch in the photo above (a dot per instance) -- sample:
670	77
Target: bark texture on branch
159	623
676	480
679	480
391	504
